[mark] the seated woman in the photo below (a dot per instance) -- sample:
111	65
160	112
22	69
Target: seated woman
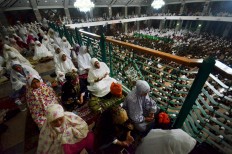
159	141
63	66
84	64
10	53
38	97
71	93
18	77
112	132
66	47
99	78
64	132
141	108
41	52
83	60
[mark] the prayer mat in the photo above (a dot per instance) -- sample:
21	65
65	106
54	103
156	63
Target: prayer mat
7	103
86	114
98	105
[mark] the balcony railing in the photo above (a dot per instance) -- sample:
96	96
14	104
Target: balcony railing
196	93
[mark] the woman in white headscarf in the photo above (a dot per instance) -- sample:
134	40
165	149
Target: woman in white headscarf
41	52
45	40
23	33
66	47
54	35
99	78
38	97
11	53
16	46
83	60
51	46
159	141
140	107
64	132
63	66
18	77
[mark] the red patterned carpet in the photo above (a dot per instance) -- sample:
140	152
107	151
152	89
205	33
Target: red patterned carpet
7	103
85	113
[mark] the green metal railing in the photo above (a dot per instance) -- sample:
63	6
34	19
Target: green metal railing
196	94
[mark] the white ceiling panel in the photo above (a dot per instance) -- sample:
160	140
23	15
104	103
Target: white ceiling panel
121	2
141	2
50	2
24	3
102	2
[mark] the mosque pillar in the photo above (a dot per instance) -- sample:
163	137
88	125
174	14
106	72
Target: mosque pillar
66	11
187	25
37	15
170	23
3	19
91	13
138	26
67	14
205	10
149	23
179	25
182	8
199	26
110	11
162	24
35	9
125	11
227	30
138	11
126	27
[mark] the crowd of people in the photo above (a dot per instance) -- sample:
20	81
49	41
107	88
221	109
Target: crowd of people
182	43
80	77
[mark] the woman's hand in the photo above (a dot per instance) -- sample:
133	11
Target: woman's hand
129	138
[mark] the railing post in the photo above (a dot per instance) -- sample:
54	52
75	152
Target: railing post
78	37
66	34
205	69
103	47
110	52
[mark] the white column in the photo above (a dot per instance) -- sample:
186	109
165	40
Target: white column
66	11
162	24
125	11
227	30
110	11
35	9
182	7
206	8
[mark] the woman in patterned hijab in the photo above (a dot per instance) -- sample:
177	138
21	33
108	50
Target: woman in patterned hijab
64	132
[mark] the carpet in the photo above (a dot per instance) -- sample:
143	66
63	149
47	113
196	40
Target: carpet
7	103
86	114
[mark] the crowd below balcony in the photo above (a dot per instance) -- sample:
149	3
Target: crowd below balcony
182	43
62	130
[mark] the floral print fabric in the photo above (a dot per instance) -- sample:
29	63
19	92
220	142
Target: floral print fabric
38	100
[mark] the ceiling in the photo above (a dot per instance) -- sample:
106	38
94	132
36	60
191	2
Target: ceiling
28	4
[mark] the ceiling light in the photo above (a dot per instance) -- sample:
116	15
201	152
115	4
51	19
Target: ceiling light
157	4
84	5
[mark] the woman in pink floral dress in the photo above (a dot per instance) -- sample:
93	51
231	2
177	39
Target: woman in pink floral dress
39	96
